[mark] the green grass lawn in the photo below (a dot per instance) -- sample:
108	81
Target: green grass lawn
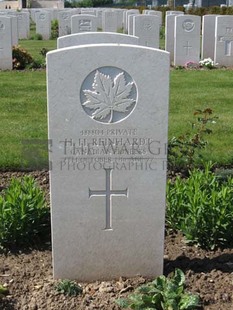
24	112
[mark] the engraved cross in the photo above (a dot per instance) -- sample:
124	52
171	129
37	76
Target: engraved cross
187	48
108	193
228	43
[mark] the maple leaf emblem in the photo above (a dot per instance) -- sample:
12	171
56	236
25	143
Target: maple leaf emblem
108	96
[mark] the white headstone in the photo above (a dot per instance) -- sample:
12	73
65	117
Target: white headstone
174	13
43	24
23	24
208	36
170	35
108	116
130	23
109	21
147	28
14	27
187	39
5	43
83	23
224	41
99	16
88	11
64	21
156	13
120	18
126	17
96	38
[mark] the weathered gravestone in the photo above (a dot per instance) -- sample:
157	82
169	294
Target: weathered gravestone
83	23
170	33
187	39
14	27
223	54
109	22
96	38
43	24
108	124
147	28
64	20
23	24
5	43
208	36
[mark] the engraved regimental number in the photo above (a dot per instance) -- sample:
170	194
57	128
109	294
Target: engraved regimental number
108	95
108	193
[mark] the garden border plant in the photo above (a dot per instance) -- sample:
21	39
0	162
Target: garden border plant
24	214
201	207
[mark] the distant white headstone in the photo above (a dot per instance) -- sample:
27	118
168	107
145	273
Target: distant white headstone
5	43
170	35
126	17
156	13
108	117
96	38
174	13
23	24
224	40
64	21
208	36
83	23
43	24
147	28
109	21
187	39
14	27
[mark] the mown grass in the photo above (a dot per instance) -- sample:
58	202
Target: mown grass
24	113
200	89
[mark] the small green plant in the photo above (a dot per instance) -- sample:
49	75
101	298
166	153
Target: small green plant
24	215
162	294
201	206
44	51
3	291
21	58
54	29
184	151
37	36
68	287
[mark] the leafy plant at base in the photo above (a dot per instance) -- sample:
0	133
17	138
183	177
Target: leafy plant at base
54	29
24	215
37	36
162	294
202	208
21	58
3	291
184	151
67	287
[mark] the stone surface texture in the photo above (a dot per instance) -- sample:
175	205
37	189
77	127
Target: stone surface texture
108	123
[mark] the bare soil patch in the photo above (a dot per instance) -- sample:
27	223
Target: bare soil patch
28	274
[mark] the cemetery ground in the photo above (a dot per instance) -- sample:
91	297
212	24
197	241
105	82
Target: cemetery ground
27	273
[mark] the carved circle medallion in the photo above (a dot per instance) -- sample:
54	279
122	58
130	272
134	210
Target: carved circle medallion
108	95
188	25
